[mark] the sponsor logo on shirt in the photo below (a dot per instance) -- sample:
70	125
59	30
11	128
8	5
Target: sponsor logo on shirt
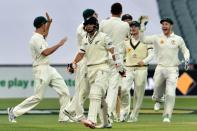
96	42
173	42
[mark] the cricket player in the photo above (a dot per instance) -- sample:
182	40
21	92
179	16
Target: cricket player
125	100
117	30
127	18
166	48
44	74
82	86
95	47
137	56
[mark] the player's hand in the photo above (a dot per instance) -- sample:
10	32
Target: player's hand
48	18
62	41
121	70
141	63
187	65
143	20
71	68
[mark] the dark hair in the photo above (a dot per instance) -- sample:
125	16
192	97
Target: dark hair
91	20
116	8
135	23
39	21
126	17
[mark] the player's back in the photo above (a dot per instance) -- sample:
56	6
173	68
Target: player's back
116	29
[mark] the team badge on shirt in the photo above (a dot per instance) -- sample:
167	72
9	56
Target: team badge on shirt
161	41
129	49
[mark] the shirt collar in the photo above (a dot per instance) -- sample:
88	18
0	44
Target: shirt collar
39	35
115	18
171	35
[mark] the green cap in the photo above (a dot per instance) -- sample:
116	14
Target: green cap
88	13
167	20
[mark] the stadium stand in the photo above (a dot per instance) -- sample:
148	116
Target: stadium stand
184	14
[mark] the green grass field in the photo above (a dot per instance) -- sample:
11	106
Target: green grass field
184	118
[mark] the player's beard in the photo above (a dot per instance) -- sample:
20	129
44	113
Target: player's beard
91	31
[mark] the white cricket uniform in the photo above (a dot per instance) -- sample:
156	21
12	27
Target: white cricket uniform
166	73
44	76
117	30
81	83
96	53
135	51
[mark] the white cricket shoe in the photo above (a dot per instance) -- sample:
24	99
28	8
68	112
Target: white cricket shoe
157	106
11	117
132	119
110	118
124	117
166	119
108	125
70	116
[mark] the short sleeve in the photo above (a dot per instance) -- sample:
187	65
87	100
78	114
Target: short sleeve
108	42
82	46
150	46
39	45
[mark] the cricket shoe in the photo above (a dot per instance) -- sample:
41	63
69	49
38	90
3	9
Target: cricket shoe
101	126
70	116
132	119
157	106
11	117
88	123
124	117
166	119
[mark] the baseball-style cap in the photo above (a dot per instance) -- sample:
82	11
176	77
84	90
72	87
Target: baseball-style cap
88	13
126	16
39	21
135	23
167	20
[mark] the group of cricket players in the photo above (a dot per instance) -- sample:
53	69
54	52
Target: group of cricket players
113	56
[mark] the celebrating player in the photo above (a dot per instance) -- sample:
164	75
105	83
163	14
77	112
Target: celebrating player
137	56
166	48
44	74
117	30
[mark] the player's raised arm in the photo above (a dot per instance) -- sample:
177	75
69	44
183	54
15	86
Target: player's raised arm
47	27
52	49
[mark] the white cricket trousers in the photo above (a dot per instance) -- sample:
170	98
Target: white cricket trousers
44	76
112	92
81	90
166	76
98	77
138	77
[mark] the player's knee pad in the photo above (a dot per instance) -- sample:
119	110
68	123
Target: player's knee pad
97	91
95	94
